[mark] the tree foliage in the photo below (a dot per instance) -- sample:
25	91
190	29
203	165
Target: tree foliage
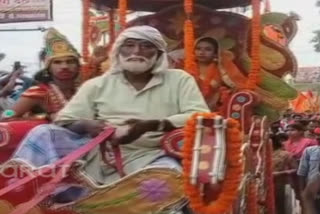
316	38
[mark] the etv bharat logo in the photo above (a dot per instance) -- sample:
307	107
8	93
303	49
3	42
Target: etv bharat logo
18	172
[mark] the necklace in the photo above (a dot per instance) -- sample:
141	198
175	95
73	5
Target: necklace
57	97
211	74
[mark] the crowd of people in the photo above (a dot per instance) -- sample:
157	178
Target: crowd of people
296	158
12	85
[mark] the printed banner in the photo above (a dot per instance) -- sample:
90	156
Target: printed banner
25	10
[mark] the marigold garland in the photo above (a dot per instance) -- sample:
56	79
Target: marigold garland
112	33
229	191
254	75
253	197
188	6
85	69
270	200
190	65
123	6
189	62
86	30
205	84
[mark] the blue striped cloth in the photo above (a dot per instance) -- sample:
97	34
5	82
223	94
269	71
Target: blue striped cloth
47	143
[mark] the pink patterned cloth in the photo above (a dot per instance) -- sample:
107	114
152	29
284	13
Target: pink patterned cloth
296	148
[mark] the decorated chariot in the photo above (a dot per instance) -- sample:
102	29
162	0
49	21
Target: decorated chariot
226	156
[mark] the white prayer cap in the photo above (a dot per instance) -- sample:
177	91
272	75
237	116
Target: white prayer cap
144	32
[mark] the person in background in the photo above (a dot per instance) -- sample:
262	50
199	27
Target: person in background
312	125
206	52
8	83
286	119
308	173
297	143
284	166
297	118
311	197
316	120
12	85
307	114
275	128
56	83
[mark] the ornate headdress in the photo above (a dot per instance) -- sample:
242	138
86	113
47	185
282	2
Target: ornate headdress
57	45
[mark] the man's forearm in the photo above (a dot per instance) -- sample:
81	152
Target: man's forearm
6	79
160	125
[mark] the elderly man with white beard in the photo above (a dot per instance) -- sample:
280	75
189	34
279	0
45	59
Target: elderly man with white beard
138	94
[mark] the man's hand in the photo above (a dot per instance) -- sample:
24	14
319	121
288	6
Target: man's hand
17	73
136	129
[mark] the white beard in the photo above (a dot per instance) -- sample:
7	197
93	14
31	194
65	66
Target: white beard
137	67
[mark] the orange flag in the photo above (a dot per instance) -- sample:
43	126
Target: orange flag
300	104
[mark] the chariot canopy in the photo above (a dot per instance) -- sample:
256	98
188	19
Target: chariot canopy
157	5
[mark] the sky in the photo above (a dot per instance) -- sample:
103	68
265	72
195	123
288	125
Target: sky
310	21
25	46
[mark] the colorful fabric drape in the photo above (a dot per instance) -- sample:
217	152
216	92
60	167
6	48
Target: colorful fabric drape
51	102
